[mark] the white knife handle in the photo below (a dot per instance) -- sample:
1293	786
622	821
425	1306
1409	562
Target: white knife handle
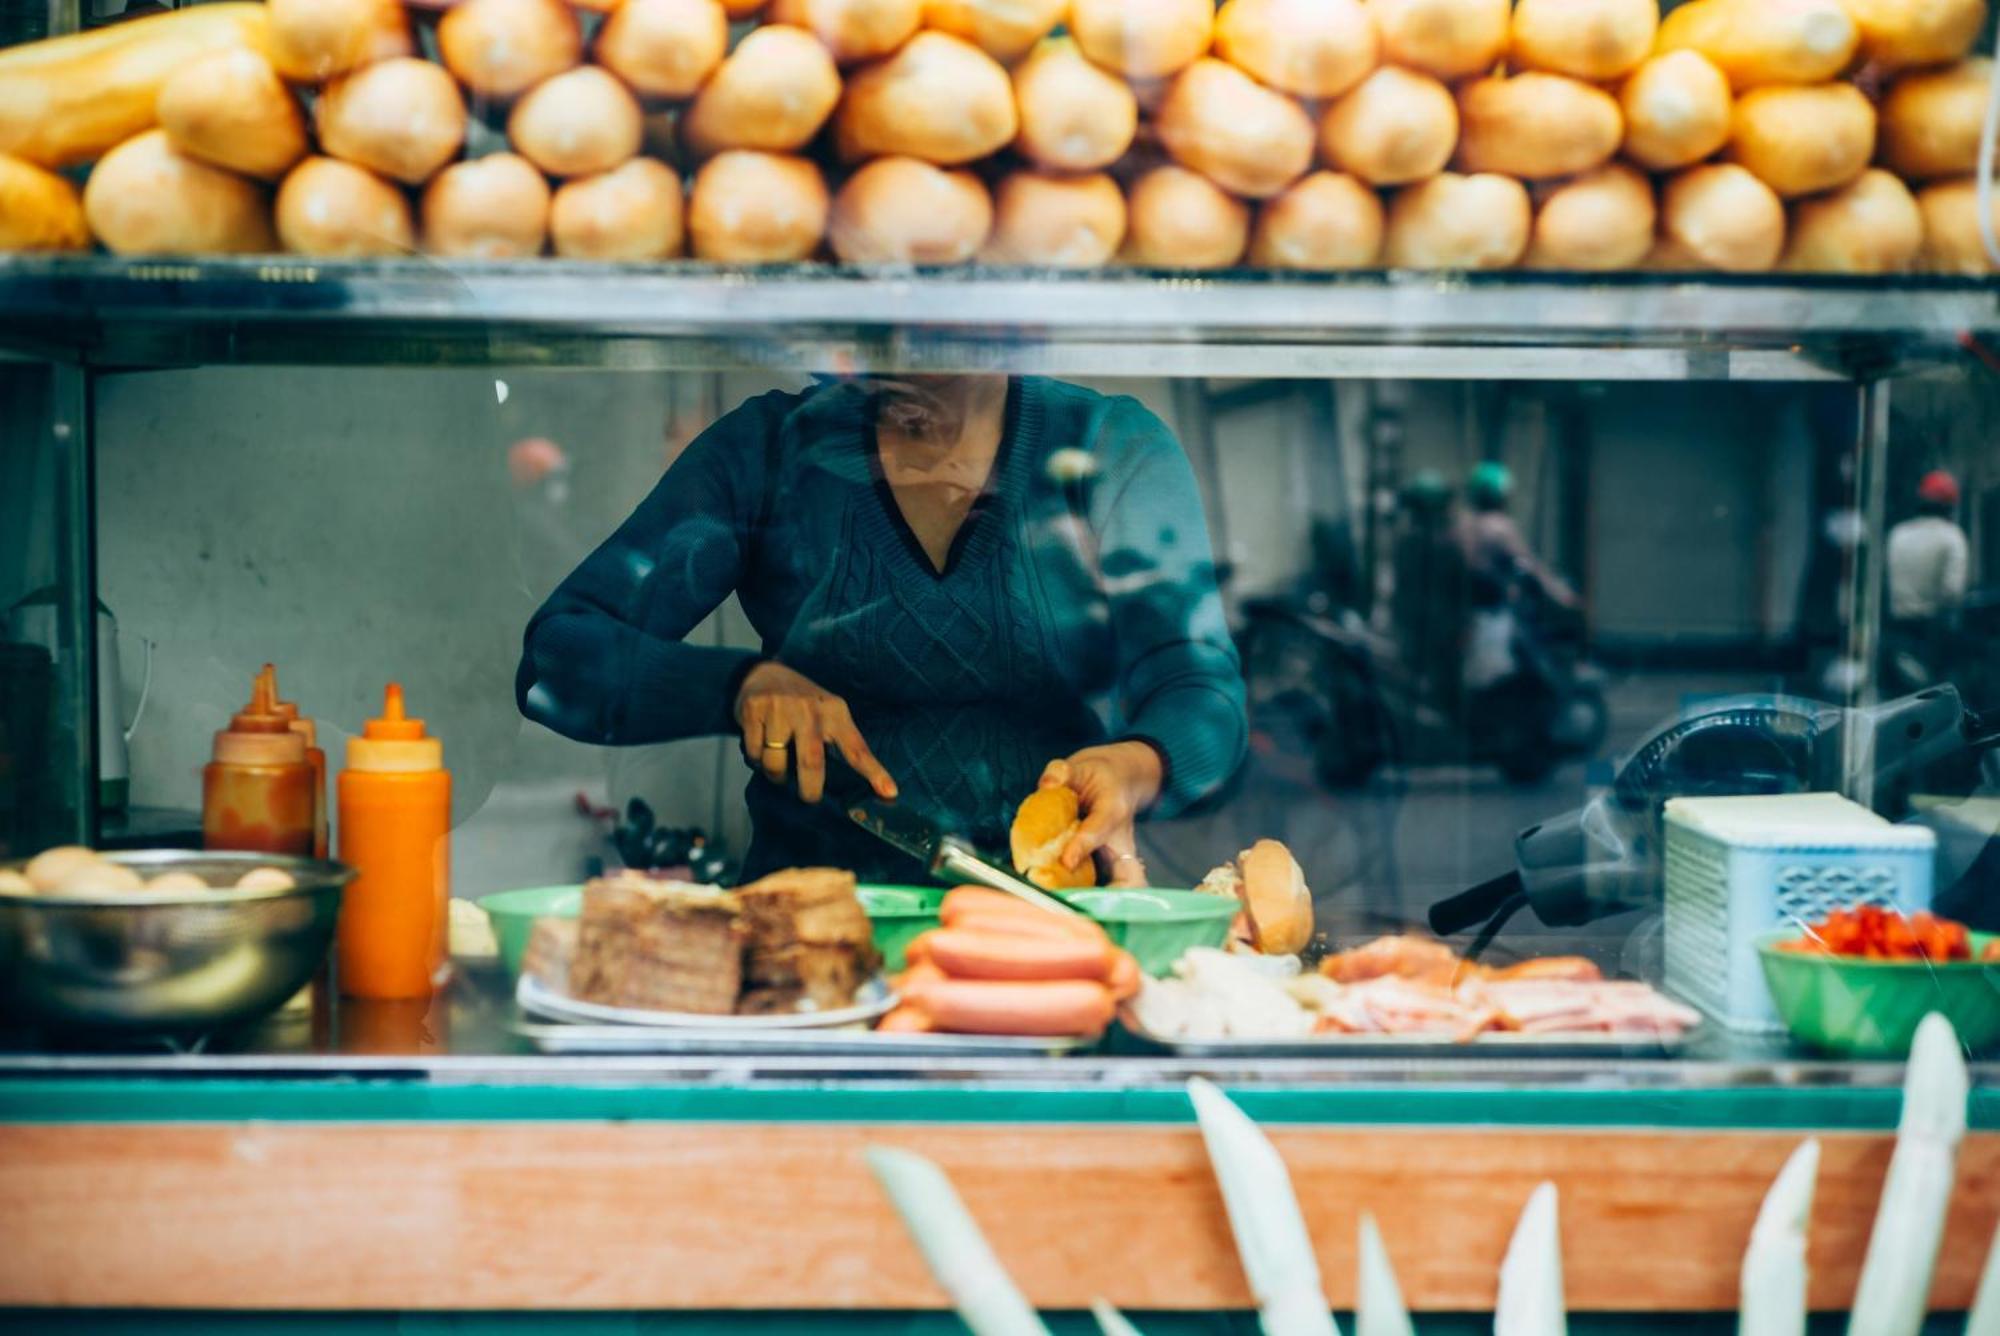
958	860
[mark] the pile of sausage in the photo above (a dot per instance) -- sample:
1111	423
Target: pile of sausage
1000	966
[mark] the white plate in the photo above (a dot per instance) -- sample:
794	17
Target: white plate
638	1039
876	998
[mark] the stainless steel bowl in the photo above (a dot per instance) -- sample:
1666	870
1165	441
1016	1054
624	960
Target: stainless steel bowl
181	963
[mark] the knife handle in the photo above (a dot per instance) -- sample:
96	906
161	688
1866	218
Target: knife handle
957	860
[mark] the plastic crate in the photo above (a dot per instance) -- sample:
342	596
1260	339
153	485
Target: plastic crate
1737	868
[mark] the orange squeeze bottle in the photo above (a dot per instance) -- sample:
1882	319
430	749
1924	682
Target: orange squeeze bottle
395	832
257	792
304	726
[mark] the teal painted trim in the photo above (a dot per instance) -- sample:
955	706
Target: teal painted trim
133	1100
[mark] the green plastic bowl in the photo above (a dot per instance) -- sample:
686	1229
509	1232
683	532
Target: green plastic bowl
513	914
1871	1008
899	915
1158	927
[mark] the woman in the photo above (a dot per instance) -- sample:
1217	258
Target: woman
964	586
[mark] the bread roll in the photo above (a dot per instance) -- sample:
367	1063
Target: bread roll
1398	126
664	48
1722	217
774	92
147	198
1074	115
1602	220
491	208
1897	34
1227	126
1276	899
39	211
1677	109
333	208
632	212
906	211
70	99
1179	219
1327	221
1459	222
1143	39
939	98
757	208
230	109
1055	219
1872	226
580	123
1931	121
1003	29
743	9
1760	42
853	30
1585	39
1800	141
1311	48
1448	38
402	118
502	48
1536	126
1043	826
316	40
1952	244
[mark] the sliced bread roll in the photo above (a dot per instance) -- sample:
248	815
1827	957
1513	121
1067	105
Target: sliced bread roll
1043	826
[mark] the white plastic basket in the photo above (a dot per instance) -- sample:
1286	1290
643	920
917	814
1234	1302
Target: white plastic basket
1736	868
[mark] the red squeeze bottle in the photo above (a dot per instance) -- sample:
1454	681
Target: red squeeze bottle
306	728
257	794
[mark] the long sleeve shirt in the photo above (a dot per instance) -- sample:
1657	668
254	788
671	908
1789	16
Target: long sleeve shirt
1928	557
1078	605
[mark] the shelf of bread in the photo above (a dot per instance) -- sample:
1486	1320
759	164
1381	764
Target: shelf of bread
1739	136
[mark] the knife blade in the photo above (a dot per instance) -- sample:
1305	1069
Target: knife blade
944	856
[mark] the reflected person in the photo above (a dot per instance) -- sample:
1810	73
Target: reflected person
965	586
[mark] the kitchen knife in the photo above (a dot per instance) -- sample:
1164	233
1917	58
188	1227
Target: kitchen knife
946	857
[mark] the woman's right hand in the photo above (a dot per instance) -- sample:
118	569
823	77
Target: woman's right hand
788	719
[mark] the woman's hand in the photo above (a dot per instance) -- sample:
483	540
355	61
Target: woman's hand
1113	783
788	719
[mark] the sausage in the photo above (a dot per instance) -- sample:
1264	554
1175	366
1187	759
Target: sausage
994	906
919	971
1043	926
905	1019
1125	977
980	1006
966	954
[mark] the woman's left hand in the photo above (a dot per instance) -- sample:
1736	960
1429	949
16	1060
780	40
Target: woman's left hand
1114	783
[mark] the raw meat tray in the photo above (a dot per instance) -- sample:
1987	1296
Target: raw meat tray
1514	1046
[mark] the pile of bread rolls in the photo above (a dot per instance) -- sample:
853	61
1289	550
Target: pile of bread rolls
1735	135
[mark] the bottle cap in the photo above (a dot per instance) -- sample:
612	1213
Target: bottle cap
299	723
394	742
259	733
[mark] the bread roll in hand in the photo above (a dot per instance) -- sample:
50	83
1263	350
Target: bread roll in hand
1075	116
1459	222
1536	126
1003	29
773	92
230	109
1398	126
1952	240
939	99
581	122
1241	135
757	208
1800	141
316	40
1720	216
1677	108
39	210
502	48
145	197
899	211
1931	120
853	30
403	119
1056	220
492	208
1600	221
1327	221
1447	38
1872	226
630	213
664	48
331	208
1179	219
1760	42
1044	824
1143	39
1309	48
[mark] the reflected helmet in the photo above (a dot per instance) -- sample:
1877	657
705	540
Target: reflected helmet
1939	488
1489	484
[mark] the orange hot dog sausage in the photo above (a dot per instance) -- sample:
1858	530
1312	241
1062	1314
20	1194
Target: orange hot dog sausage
1125	977
906	1019
919	972
1044	926
965	954
969	902
979	1006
